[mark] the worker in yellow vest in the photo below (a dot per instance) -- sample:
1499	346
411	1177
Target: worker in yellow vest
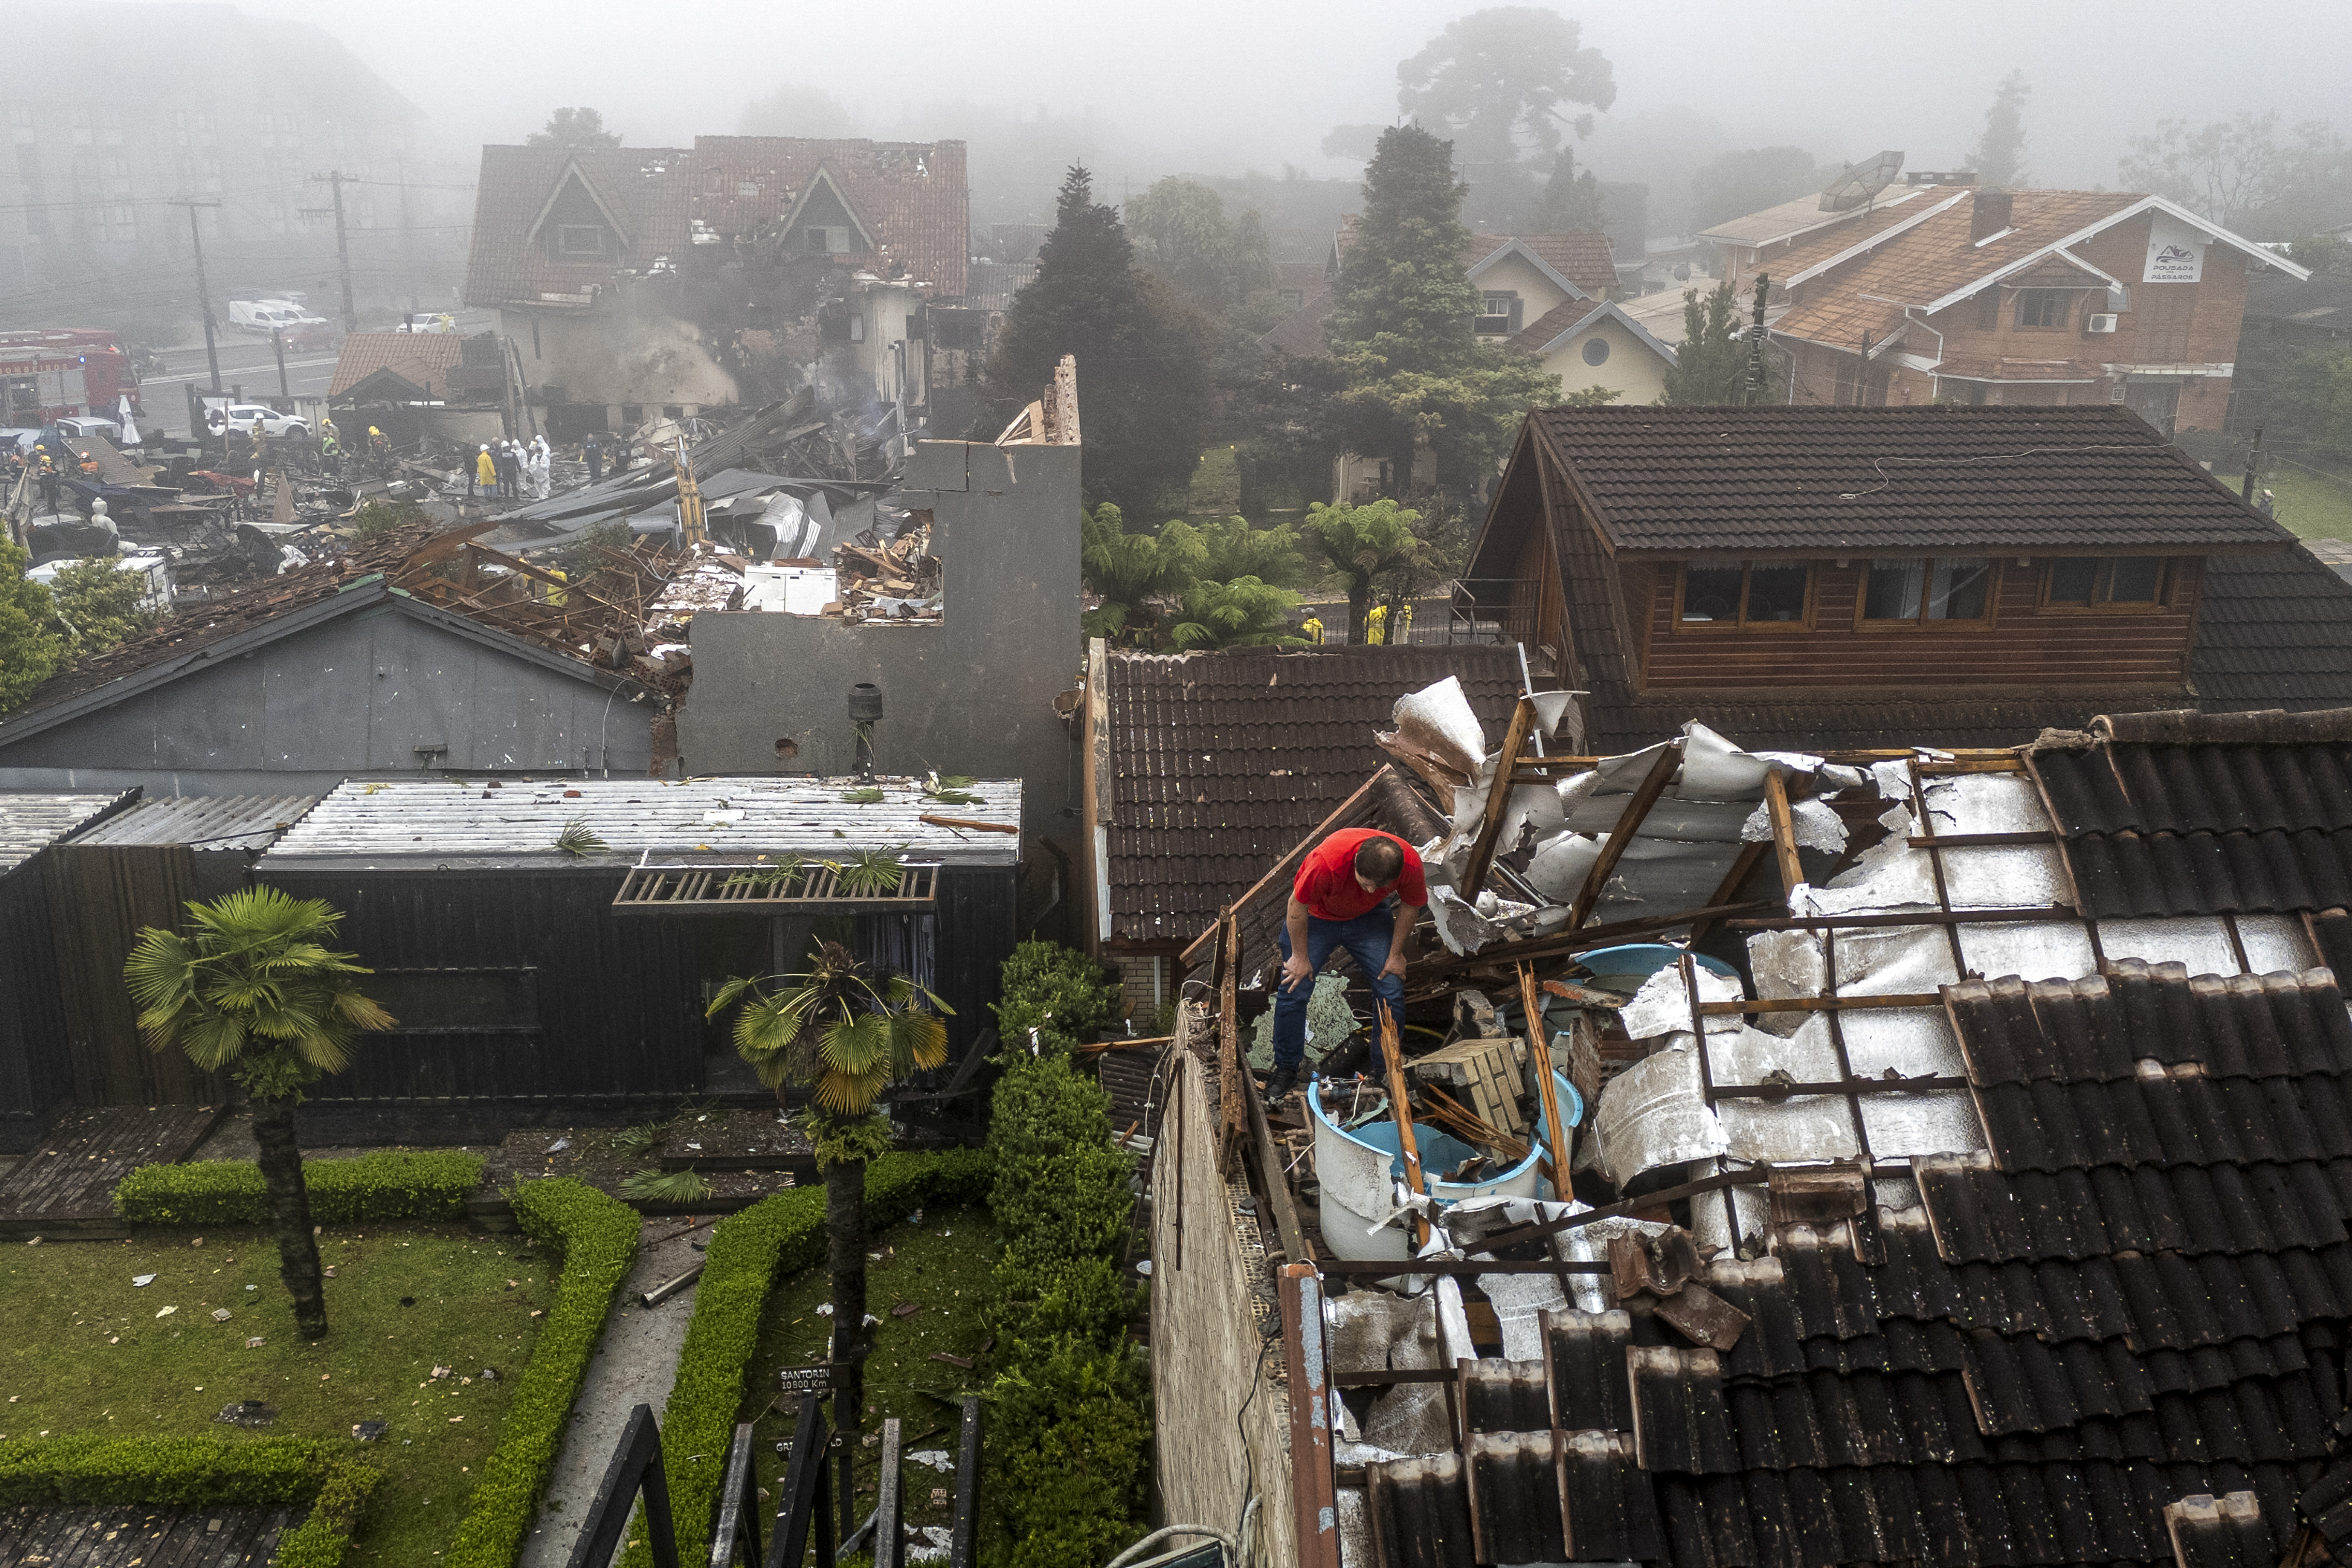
1312	629
1376	626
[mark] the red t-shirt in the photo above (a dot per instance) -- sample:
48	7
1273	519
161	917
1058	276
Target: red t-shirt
1327	881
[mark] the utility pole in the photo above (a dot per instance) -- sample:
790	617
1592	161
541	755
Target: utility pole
1756	341
335	179
203	292
277	342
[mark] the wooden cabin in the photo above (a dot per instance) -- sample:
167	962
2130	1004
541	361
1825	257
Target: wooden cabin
1808	576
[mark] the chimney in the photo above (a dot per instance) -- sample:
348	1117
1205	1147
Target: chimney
1989	209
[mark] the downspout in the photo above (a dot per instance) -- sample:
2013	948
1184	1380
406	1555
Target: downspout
1935	388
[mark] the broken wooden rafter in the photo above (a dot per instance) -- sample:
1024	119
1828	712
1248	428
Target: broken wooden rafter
1498	800
1784	831
1629	822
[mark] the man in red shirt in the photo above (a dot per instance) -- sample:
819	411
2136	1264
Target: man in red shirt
1336	900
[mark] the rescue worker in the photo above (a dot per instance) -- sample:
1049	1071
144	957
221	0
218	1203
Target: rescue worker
594	452
379	449
1376	626
50	480
1360	890
484	474
331	441
1312	629
542	466
1405	625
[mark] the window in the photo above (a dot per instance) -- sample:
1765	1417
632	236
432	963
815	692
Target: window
2044	307
825	240
1940	590
580	239
2111	583
1758	594
1596	351
1498	314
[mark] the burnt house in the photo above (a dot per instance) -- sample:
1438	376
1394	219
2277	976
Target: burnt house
1818	578
548	946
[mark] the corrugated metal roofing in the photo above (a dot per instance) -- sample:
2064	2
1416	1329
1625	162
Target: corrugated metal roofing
1840	480
31	822
441	820
207	822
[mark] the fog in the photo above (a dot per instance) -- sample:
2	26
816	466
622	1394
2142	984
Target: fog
1223	87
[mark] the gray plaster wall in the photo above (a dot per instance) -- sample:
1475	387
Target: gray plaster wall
972	695
355	694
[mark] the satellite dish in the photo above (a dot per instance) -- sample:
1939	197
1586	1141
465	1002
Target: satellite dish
1862	181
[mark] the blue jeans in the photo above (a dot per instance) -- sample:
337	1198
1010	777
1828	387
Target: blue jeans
1366	938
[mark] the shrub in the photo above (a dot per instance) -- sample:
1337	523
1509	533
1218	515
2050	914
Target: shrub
1072	1426
376	1186
775	1237
596	1237
1048	985
1060	1191
184	1472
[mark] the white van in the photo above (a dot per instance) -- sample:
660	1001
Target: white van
263	315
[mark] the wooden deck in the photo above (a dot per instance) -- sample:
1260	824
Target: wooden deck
119	1537
64	1190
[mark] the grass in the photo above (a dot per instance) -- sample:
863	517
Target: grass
86	1352
941	1264
2314	505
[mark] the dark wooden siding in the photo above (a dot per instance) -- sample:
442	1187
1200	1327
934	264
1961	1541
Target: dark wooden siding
100	897
34	1075
978	927
2023	645
620	1015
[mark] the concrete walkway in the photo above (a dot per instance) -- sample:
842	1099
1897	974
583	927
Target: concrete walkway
636	1365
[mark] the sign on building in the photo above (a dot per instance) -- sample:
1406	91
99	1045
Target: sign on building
2176	252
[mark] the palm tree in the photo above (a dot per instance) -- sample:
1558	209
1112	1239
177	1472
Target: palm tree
846	1032
251	985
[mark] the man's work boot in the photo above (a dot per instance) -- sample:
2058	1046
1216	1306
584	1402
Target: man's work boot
1279	1087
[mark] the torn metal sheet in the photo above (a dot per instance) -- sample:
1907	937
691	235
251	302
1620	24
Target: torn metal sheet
1782	1131
1814	824
1662	1005
1653	1115
1437	725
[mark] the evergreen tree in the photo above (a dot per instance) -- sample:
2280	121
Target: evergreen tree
1401	324
30	648
1146	398
577	128
1711	364
1498	77
1571	199
2000	155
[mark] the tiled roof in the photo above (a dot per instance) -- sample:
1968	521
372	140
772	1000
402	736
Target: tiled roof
912	196
1538	336
1305	332
645	189
421	359
2274	629
2046	1353
990	286
1223	762
1800	214
1927	262
1587	260
1799	478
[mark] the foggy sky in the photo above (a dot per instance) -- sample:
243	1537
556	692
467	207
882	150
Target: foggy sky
1225	86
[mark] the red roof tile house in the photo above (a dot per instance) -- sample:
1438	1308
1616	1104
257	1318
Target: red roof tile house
604	268
2023	298
1811	578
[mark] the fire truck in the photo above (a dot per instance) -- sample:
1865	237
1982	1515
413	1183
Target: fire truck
50	372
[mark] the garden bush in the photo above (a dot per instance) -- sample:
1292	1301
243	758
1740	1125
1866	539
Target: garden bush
774	1238
596	1238
1070	1424
197	1473
376	1186
1062	994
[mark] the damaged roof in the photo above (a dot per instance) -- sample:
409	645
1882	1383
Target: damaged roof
1789	479
910	198
1222	762
30	821
644	190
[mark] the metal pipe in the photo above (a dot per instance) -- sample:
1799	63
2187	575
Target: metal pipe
671	1287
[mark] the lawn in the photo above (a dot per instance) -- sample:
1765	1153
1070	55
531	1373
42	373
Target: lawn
941	1266
87	1350
2314	505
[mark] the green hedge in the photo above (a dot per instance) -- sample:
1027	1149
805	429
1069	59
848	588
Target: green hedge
377	1187
1061	994
596	1238
196	1473
774	1238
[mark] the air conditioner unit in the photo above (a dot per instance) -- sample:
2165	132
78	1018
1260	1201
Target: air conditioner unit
2100	322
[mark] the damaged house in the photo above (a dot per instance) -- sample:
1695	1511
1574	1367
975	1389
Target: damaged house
1816	577
1948	1168
642	281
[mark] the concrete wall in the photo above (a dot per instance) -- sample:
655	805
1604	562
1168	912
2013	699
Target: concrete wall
356	694
1212	1298
973	694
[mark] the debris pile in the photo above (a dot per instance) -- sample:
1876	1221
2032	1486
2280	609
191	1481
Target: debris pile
898	582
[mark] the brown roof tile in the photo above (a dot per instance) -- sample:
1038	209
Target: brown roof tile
421	359
1587	260
912	196
645	189
1305	332
1554	321
1224	761
1798	479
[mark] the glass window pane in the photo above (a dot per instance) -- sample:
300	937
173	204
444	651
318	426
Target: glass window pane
1776	592
1957	590
2136	579
1710	593
2072	581
1893	594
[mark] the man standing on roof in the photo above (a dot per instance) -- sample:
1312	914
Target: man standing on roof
1360	890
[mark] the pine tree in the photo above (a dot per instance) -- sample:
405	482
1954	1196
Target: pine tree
2000	155
1571	200
1146	398
1711	364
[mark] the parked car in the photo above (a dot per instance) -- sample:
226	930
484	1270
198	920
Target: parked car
241	416
77	426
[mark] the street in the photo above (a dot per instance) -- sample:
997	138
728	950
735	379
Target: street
249	363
